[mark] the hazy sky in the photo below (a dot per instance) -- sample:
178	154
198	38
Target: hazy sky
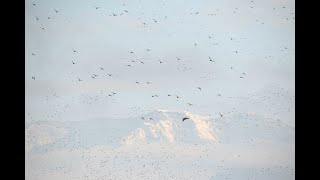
251	44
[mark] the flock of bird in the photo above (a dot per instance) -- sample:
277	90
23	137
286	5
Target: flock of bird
151	165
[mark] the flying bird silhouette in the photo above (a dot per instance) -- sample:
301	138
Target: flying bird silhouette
185	119
33	78
101	68
73	62
220	114
199	88
210	59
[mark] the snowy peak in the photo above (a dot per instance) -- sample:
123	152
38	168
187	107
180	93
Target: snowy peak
167	126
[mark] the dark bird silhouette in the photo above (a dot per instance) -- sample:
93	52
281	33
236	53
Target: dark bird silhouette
199	88
101	68
178	59
154	95
97	7
177	97
195	44
74	50
79	79
33	54
95	75
236	51
169	94
241	77
160	62
109	74
33	78
34	4
155	20
131	52
141	62
37	18
128	65
48	17
185	119
189	104
148	82
220	114
148	50
114	14
137	82
210	59
219	95
142	118
56	10
126	11
73	62
150	118
210	37
114	93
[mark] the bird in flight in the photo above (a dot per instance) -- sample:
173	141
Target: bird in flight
128	65
74	50
95	75
148	50
48	17
141	62
33	78
155	20
220	114
97	7
109	74
73	62
37	18
114	14
210	37
56	10
169	94
160	62
101	68
178	59
195	44
137	82
185	119
219	95
114	93
126	11
34	4
131	52
189	104
142	118
79	79
33	54
199	88
154	95
148	82
210	59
